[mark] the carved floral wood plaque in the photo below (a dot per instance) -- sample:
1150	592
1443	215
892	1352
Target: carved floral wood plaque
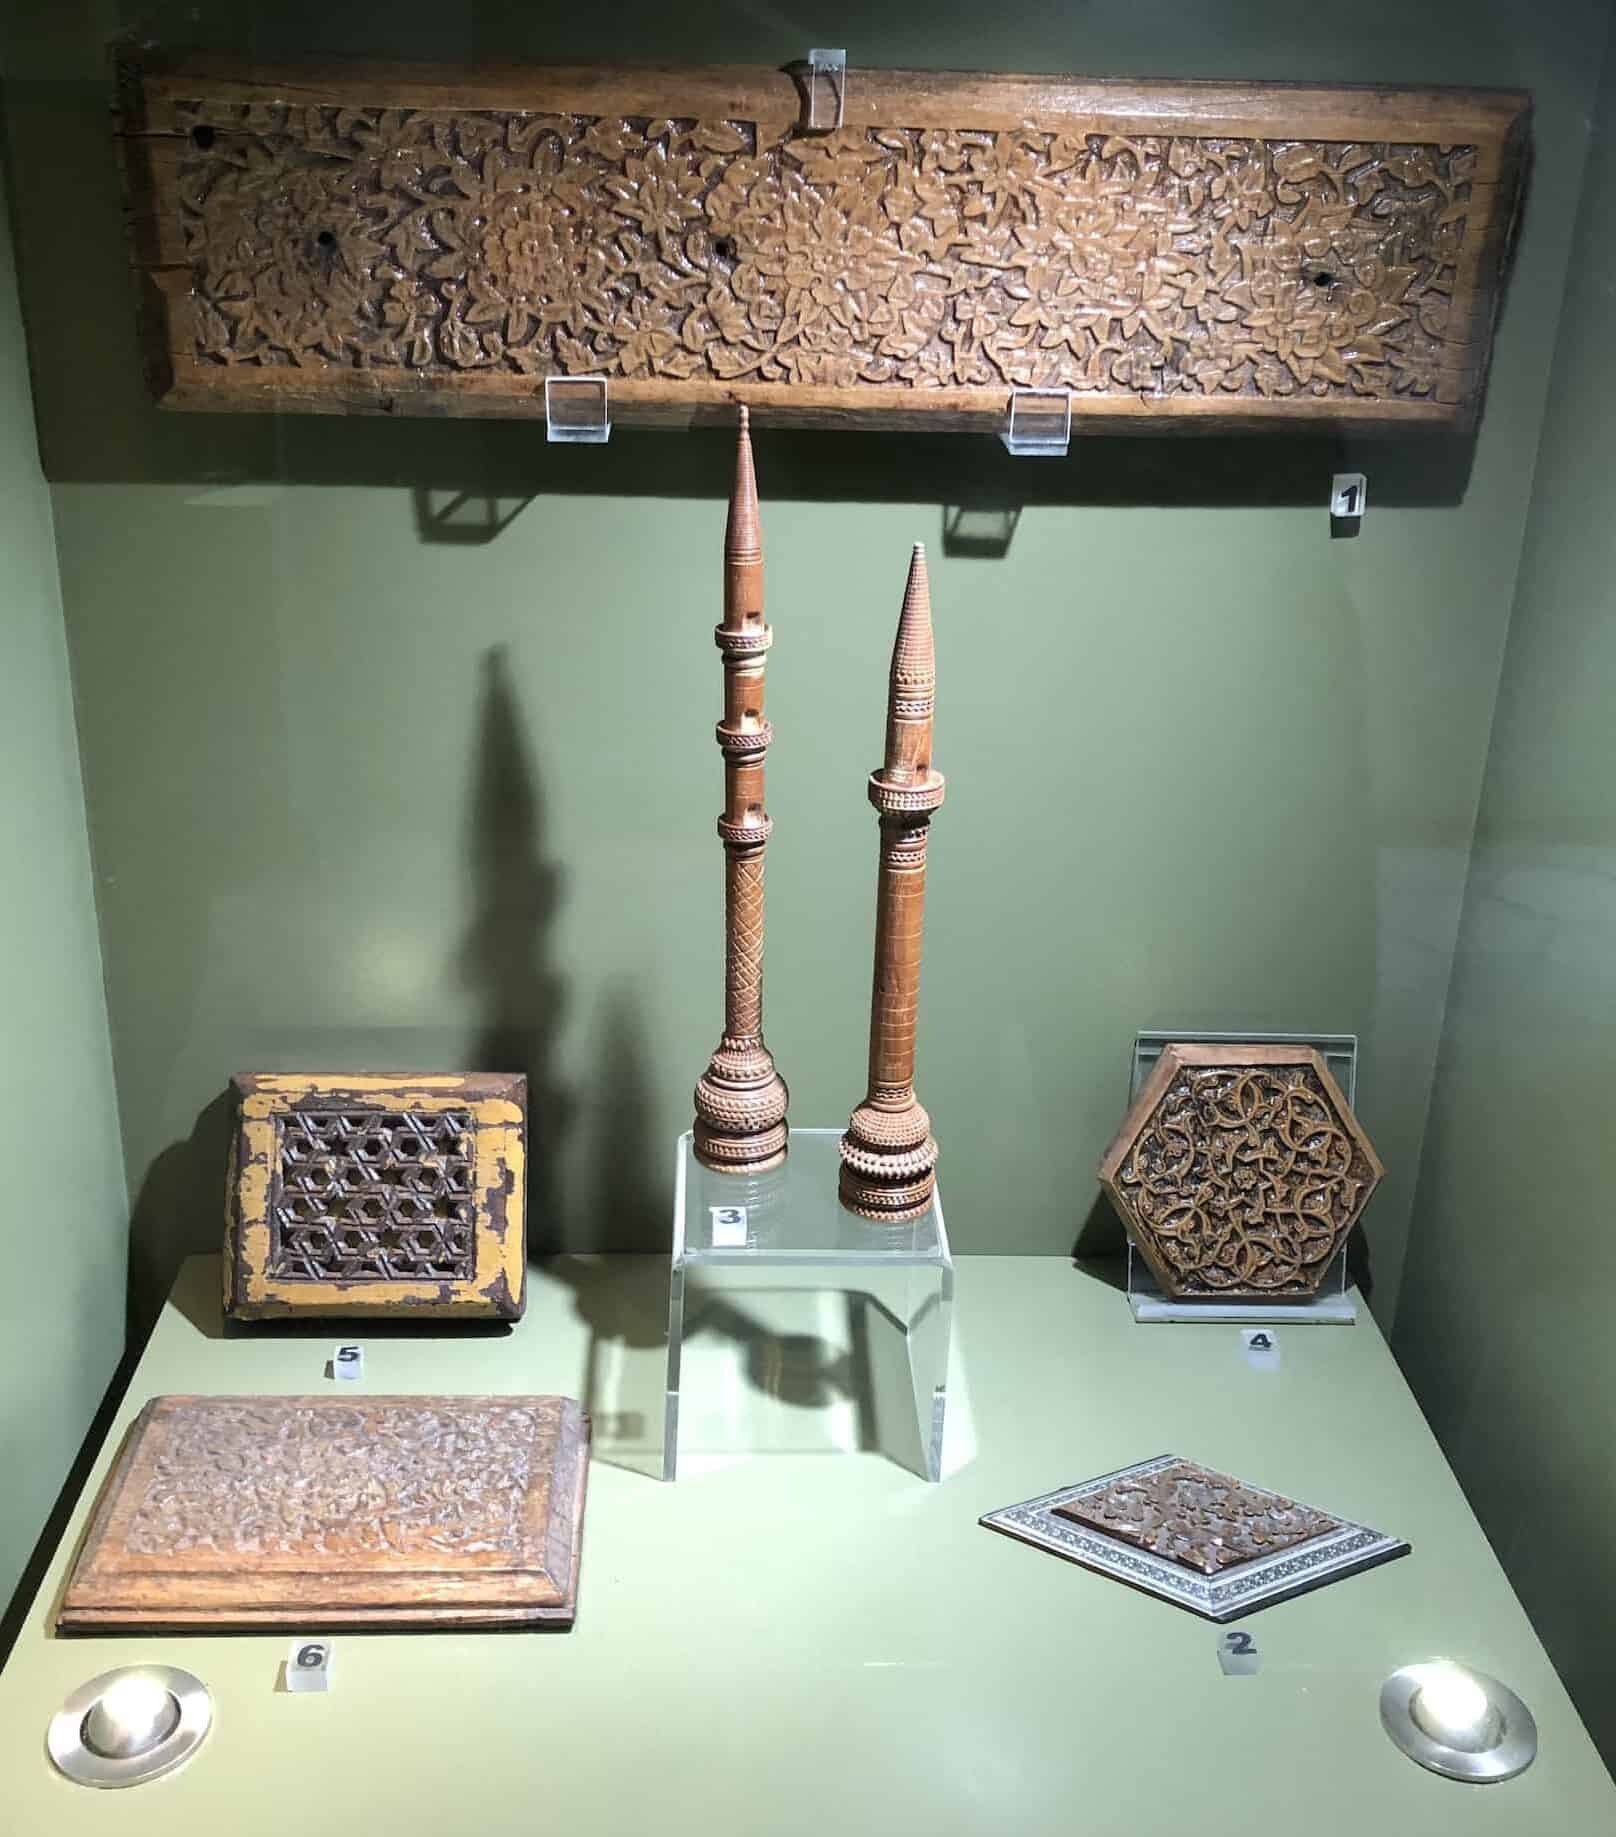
351	1194
403	240
1192	1515
291	1512
1200	1539
1240	1171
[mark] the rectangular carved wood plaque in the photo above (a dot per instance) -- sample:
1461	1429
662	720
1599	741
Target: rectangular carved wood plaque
1196	1537
357	1195
287	1513
426	240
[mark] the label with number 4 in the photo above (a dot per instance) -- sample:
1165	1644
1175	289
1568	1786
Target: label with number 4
308	1664
729	1227
1262	1347
347	1363
1238	1654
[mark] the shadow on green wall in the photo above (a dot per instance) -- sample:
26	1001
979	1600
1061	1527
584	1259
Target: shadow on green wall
520	1001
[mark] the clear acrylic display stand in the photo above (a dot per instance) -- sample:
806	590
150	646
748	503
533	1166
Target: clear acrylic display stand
1332	1305
795	1326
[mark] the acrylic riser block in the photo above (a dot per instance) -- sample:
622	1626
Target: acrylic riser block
796	1327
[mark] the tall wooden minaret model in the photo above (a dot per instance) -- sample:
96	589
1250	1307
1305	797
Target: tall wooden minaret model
888	1154
741	1098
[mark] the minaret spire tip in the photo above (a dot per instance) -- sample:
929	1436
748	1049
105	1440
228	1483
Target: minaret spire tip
743	529
914	652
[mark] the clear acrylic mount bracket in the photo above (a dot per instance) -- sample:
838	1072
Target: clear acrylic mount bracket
1039	424
577	409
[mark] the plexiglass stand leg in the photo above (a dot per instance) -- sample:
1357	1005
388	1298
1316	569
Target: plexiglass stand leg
795	1327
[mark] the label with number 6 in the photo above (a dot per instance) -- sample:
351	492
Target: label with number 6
308	1665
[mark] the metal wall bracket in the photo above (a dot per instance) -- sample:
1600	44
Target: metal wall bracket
832	66
576	409
1040	423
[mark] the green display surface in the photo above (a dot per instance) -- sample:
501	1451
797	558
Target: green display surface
366	789
787	1644
1504	1326
62	1201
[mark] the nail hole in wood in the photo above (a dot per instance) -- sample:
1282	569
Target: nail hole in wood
202	138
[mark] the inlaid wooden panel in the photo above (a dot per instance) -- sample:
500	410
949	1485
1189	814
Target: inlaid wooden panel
326	1512
351	1194
1198	1538
436	240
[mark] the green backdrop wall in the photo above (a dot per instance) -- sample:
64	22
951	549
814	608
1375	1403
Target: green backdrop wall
362	790
62	1202
1505	1328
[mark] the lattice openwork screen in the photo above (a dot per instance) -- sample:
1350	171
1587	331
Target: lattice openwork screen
363	1195
360	1193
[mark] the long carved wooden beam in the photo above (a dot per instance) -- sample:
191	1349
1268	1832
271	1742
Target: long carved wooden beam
394	239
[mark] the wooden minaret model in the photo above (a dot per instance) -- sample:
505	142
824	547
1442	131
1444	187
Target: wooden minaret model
888	1154
741	1098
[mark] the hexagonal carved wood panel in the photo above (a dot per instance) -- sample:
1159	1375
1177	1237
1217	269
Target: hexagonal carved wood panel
1240	1171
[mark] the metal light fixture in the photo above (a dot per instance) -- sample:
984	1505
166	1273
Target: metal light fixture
1458	1722
130	1725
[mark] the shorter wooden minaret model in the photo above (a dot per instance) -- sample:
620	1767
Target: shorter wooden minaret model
740	1098
888	1154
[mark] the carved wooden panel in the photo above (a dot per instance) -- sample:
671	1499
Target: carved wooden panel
1239	1171
1197	254
359	1195
1195	1537
1195	1516
290	1512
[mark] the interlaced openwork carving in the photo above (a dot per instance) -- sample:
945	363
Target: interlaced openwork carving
718	251
1240	1177
372	1194
1196	1517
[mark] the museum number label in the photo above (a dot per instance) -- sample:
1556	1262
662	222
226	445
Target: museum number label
308	1665
729	1227
1238	1655
1261	1345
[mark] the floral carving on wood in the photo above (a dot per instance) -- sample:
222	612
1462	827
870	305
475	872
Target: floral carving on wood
1240	1170
719	251
1201	1539
326	1511
263	1478
1197	1517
